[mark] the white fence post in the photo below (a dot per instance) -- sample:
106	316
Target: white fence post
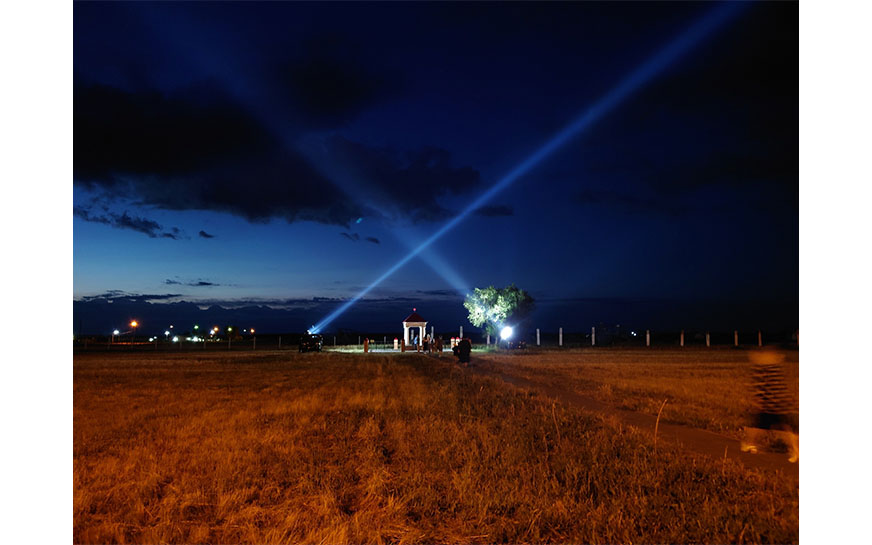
537	337
593	336
647	337
682	338
735	337
708	339
560	337
461	332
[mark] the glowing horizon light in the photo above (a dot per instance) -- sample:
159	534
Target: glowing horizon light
636	79
116	332
506	332
134	323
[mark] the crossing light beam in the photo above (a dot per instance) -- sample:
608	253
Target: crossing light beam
644	73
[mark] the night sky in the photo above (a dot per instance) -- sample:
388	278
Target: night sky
274	159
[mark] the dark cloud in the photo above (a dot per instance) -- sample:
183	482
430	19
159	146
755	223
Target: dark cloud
373	240
124	221
204	234
194	151
495	210
330	84
439	293
198	150
112	296
414	181
196	284
120	133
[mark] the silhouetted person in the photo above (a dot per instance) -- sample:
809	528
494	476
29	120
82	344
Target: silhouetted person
776	411
439	345
462	351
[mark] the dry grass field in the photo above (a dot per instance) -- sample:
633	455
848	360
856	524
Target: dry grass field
705	388
346	448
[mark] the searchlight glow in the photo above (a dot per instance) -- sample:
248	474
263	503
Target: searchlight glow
635	80
506	332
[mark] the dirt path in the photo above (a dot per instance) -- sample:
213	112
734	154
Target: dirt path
691	439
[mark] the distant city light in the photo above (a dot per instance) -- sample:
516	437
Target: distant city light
506	332
116	332
175	339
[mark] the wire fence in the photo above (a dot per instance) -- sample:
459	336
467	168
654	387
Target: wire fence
601	337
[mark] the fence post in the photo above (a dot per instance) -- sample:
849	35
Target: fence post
488	339
759	338
682	338
647	337
280	342
461	332
708	339
735	337
537	337
593	336
560	337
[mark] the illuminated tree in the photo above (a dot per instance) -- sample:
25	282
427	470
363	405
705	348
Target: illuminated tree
491	308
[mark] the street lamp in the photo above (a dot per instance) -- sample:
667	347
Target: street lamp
114	334
134	325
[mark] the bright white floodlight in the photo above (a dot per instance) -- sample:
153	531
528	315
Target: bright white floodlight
506	332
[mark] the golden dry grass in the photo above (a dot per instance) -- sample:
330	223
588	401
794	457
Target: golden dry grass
339	448
706	388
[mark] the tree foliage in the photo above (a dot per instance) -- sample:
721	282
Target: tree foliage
491	307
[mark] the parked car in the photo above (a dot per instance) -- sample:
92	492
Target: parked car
311	343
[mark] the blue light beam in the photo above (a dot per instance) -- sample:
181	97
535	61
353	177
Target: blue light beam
667	56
